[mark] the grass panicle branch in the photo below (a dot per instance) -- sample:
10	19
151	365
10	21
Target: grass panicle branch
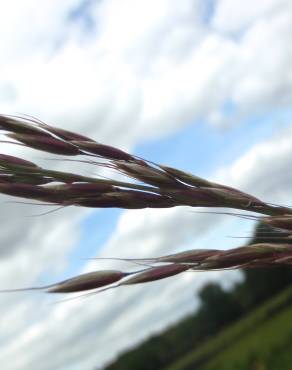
150	183
252	256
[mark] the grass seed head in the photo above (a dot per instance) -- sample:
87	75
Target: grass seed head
156	273
19	126
191	256
26	191
46	143
186	177
141	171
127	199
66	135
11	161
279	222
101	150
91	280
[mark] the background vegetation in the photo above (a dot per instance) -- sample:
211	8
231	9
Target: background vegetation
249	327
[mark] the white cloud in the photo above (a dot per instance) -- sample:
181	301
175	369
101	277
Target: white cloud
147	68
233	15
264	170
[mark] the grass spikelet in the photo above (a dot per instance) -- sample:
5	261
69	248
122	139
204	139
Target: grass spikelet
11	161
156	273
101	150
46	144
91	280
280	222
186	177
147	174
26	191
88	281
19	125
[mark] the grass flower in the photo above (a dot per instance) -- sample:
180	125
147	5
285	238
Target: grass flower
146	185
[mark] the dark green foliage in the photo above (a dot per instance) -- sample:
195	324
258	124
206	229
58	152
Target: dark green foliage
218	308
159	350
261	284
262	338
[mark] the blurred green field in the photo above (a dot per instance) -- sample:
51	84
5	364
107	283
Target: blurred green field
260	341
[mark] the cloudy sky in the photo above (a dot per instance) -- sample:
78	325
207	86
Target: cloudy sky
202	85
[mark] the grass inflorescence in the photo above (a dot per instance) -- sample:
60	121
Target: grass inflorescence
147	185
